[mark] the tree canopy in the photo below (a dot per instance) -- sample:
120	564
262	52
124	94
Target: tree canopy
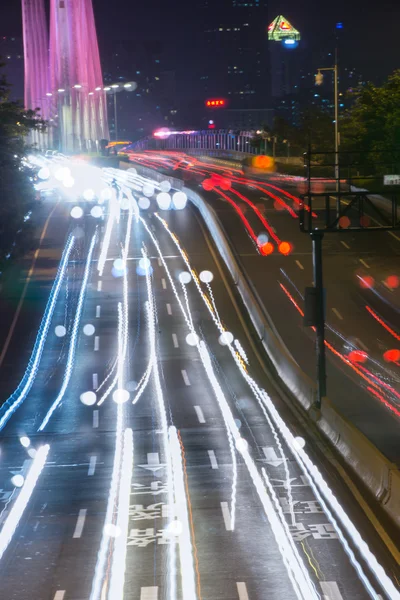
16	190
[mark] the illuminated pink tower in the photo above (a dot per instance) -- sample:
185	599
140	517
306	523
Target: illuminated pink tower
36	64
75	75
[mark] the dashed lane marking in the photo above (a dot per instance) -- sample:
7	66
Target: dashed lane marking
213	459
199	414
95	381
298	263
345	245
98	309
95	419
169	309
226	515
185	377
164	283
59	595
242	590
149	593
366	265
80	523
337	313
96	343
99	285
92	465
331	591
175	340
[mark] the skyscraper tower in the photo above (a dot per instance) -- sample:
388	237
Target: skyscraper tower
75	75
283	39
36	66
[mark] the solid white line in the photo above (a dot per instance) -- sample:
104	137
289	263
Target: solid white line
199	414
242	590
95	418
92	465
149	593
394	235
345	245
227	516
98	309
96	342
80	523
213	459
95	379
185	377
330	590
164	283
175	340
159	262
364	263
298	263
337	313
99	284
169	309
59	595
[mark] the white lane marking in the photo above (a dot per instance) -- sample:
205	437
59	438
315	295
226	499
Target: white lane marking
361	344
149	593
92	465
164	283
59	595
95	381
337	313
387	286
227	516
99	285
366	265
242	590
298	263
95	418
169	309
345	245
394	235
175	340
185	377
98	309
213	459
96	343
331	590
159	262
199	414
271	457
80	523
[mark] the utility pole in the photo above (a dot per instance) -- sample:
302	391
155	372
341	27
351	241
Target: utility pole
319	78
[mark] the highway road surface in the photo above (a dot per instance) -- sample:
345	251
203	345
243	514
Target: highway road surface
146	453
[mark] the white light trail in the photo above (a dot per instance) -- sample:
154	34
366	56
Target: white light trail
112	212
118	566
241	351
19	395
164	427
74	336
188	577
17	510
321	488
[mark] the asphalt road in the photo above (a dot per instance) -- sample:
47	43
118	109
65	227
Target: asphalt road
349	260
55	552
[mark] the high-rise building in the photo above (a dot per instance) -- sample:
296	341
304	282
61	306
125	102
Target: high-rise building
230	59
284	58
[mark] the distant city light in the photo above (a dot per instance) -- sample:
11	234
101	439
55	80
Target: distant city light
215	102
289	42
339	25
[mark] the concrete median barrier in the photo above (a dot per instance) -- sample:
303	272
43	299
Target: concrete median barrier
378	474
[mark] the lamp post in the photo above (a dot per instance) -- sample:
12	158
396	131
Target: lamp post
114	88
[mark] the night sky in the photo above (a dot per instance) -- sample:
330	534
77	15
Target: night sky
370	39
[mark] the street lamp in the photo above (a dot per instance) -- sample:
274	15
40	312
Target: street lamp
114	88
319	78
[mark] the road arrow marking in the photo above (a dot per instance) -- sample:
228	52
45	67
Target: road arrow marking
271	457
153	462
